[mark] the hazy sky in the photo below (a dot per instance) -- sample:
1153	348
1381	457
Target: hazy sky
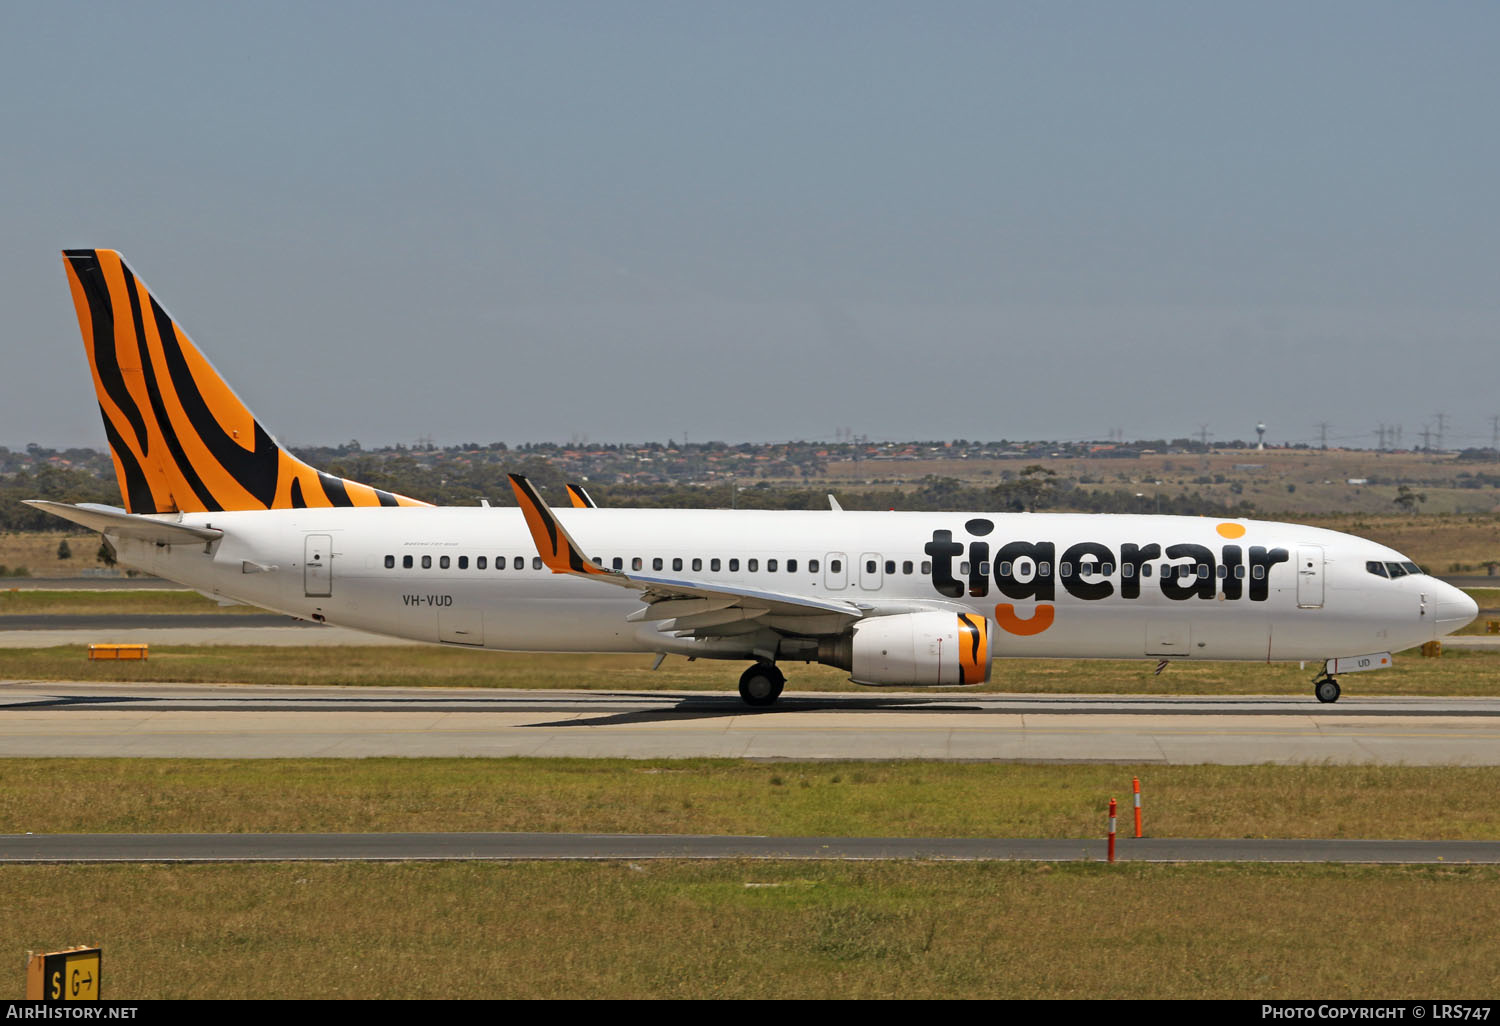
634	220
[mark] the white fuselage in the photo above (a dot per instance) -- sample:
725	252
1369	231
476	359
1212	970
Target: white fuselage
469	576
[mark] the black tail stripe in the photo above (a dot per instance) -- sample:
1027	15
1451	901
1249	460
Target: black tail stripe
298	502
106	359
338	495
137	490
386	498
205	498
254	470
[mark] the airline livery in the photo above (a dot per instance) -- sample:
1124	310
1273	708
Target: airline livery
899	599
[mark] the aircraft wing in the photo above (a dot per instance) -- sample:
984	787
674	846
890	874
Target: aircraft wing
116	521
694	607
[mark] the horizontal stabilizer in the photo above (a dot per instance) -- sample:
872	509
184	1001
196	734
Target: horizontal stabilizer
115	521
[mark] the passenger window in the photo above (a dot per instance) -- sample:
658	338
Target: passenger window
481	563
890	566
442	562
1023	567
713	565
390	562
812	566
905	567
1146	569
1202	571
536	562
406	562
1005	568
984	568
635	563
463	562
1107	569
697	564
656	562
963	568
426	562
598	560
1127	570
770	566
677	563
734	566
617	563
1044	569
869	566
791	566
1223	571
926	566
520	562
835	566
1065	570
1260	573
752	565
1239	572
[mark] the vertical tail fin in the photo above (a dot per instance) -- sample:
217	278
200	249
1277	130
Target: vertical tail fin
181	439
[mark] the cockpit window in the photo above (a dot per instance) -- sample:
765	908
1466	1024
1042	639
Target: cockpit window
1396	569
1412	568
1377	568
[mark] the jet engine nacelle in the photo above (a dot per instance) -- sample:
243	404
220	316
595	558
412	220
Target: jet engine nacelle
913	649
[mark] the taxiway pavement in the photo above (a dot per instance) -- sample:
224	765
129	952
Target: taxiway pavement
244	721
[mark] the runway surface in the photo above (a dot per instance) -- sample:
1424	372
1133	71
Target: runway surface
242	721
553	847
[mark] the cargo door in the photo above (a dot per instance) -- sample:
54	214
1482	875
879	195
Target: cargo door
1168	638
317	566
461	626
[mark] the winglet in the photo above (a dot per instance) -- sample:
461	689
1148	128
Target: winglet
554	544
580	498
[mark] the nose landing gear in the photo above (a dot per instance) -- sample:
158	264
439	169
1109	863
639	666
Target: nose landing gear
1326	688
761	684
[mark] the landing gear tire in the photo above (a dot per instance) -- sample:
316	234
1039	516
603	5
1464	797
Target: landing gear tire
1326	689
761	684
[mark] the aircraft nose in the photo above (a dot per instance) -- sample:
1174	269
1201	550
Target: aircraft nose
1453	608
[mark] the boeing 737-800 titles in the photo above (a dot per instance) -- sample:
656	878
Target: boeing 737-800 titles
900	599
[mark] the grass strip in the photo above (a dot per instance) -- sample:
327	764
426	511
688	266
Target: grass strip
726	796
765	930
1458	672
38	602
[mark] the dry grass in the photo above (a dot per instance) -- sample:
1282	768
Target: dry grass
725	796
766	930
37	602
37	552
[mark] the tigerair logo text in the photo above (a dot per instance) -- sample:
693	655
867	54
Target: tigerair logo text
1032	571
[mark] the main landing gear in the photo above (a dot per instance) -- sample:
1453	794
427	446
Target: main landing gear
761	684
1326	688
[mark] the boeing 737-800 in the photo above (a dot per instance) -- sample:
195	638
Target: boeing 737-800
898	599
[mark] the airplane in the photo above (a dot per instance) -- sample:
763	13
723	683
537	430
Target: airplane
897	599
